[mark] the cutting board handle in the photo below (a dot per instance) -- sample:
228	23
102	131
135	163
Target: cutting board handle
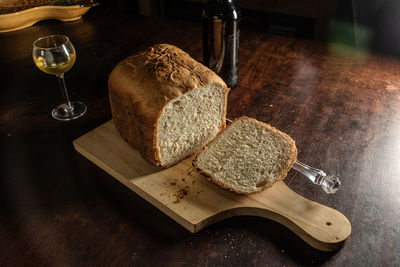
321	227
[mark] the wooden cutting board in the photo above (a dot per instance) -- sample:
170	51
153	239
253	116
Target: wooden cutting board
192	201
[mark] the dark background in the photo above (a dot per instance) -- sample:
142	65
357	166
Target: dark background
367	24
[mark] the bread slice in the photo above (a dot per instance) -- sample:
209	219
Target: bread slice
247	157
165	104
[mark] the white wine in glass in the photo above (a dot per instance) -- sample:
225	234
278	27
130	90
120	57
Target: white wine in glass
56	55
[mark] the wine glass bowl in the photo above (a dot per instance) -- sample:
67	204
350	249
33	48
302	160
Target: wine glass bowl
55	55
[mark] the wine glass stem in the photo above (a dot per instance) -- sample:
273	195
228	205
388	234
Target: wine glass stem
64	91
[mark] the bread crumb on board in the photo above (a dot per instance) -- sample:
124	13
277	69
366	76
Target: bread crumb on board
181	194
178	187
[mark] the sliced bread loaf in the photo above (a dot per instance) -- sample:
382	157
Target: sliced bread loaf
247	157
165	104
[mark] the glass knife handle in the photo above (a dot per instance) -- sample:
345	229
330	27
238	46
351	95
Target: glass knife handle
330	184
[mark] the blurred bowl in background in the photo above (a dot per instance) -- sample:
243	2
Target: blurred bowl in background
28	17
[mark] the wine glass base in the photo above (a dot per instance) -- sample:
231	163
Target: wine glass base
65	113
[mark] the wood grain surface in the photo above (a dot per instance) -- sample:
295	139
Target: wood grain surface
340	105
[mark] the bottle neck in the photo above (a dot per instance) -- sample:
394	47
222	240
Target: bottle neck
224	9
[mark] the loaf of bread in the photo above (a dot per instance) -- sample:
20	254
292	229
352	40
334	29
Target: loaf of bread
247	157
165	104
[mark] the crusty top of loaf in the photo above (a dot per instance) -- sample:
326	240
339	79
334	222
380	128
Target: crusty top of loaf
162	72
174	69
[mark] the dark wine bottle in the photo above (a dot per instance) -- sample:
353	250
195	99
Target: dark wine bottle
221	31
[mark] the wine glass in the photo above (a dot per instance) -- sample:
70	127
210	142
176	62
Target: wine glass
55	55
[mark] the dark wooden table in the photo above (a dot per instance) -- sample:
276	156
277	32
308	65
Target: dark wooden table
342	106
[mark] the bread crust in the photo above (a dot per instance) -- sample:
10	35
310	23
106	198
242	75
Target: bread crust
141	86
293	157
